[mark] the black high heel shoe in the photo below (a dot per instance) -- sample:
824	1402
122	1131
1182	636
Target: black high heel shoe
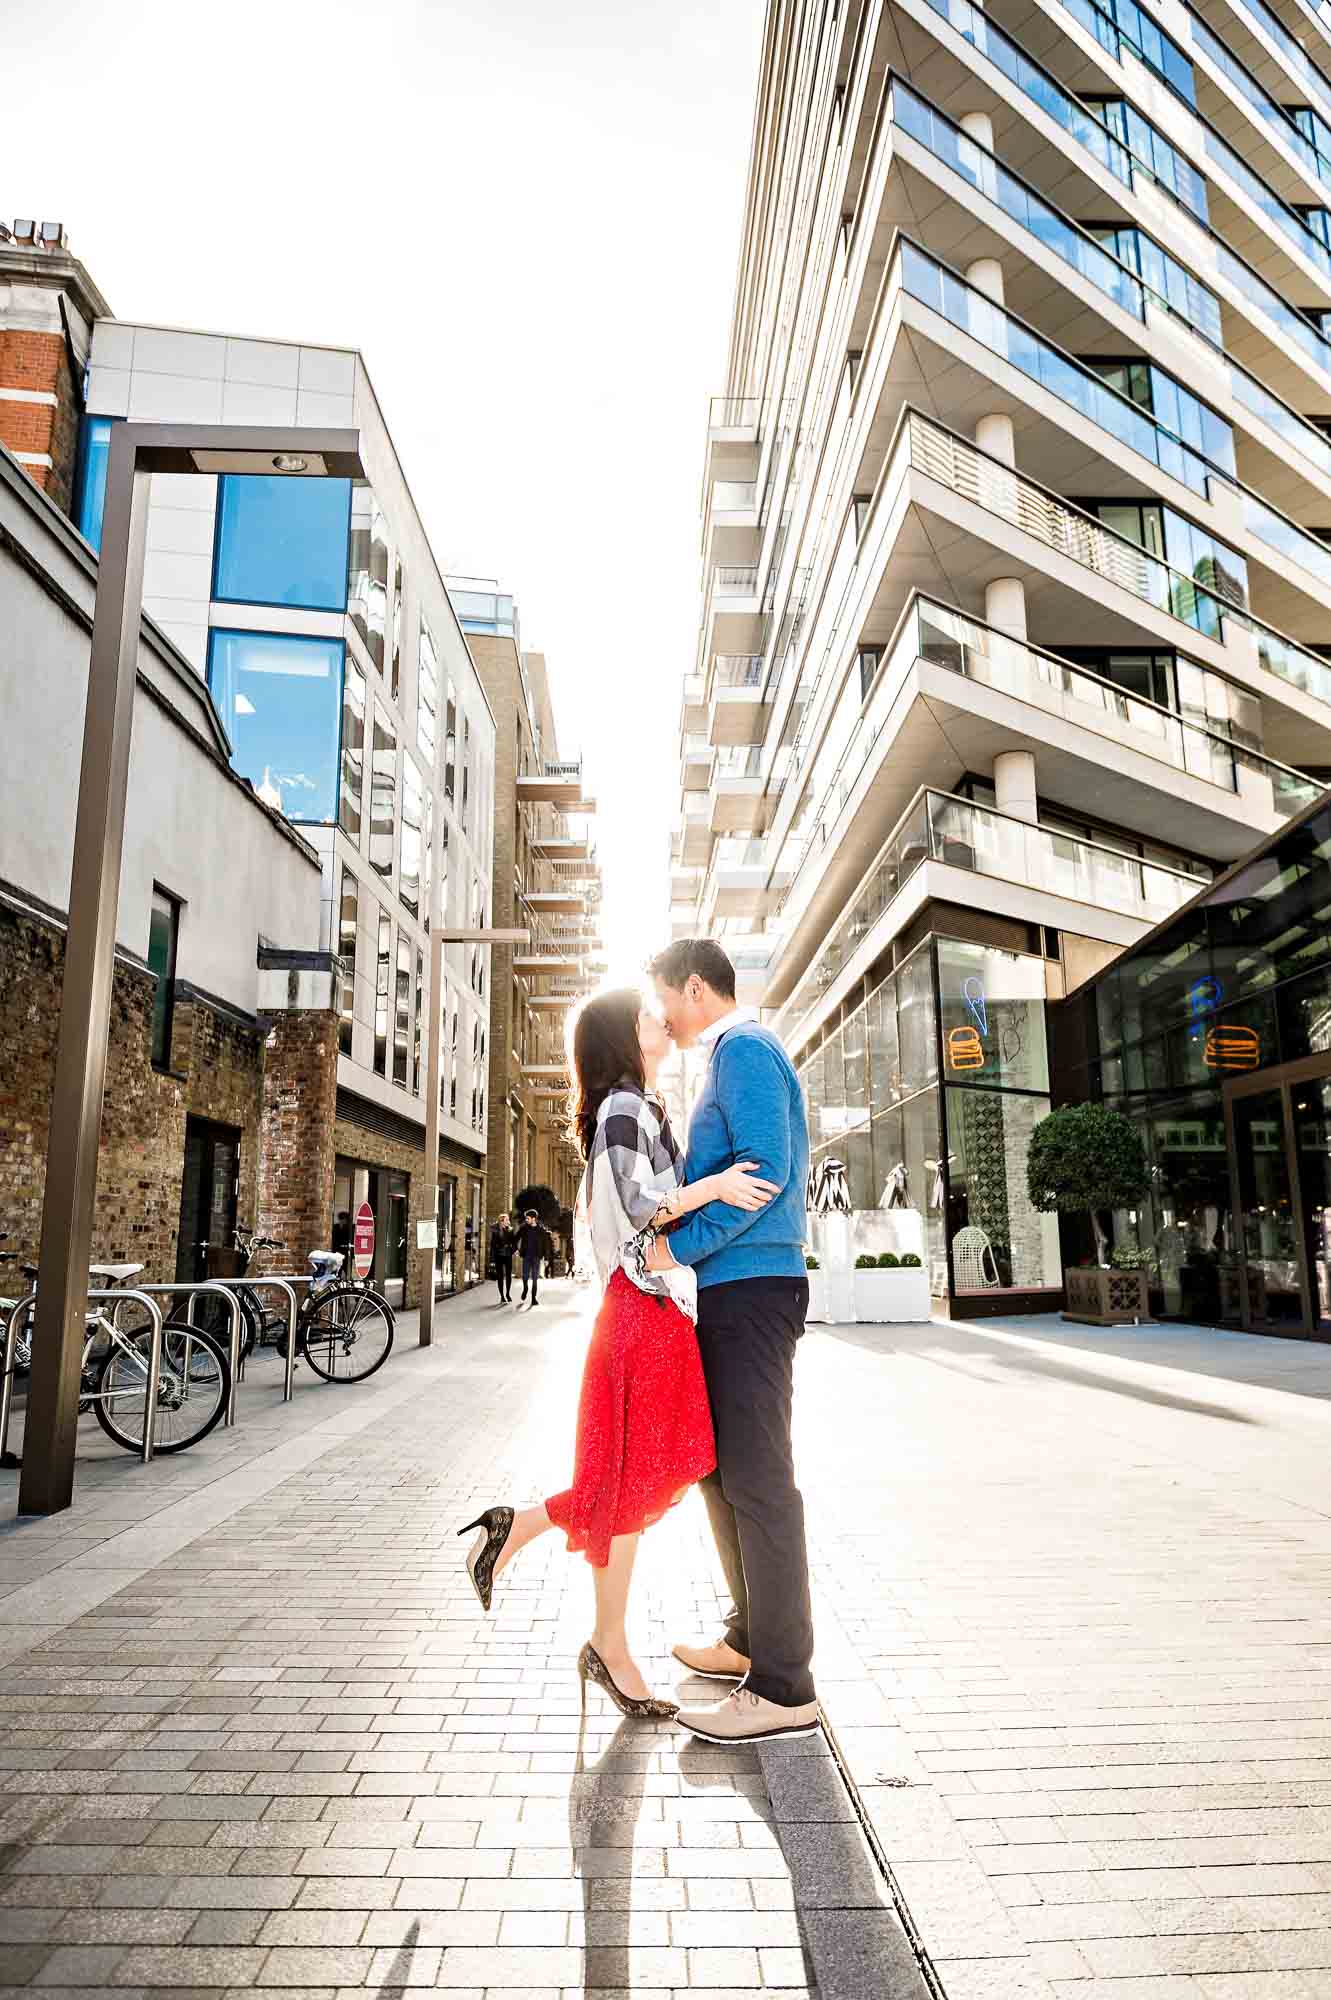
591	1667
495	1524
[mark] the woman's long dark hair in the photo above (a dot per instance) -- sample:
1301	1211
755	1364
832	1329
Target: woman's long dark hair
605	1051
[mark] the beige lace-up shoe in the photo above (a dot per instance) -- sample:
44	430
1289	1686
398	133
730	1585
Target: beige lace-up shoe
714	1663
748	1718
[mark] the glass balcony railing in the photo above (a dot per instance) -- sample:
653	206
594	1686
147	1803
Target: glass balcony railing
733	495
1300	435
728	413
729	580
1290	224
947	142
1257	99
972	312
1317	86
940	827
1282	534
956	463
737	670
1301	332
966	646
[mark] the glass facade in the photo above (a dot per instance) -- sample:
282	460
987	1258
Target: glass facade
90	478
973	1018
383	794
1214	1036
367	574
280	700
282	541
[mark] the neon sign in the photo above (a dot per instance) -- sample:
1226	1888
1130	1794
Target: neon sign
965	1050
1231	1047
972	992
1204	997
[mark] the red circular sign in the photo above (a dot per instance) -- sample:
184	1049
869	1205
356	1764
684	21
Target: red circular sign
363	1240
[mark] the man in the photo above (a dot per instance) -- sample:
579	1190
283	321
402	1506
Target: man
503	1242
531	1248
752	1298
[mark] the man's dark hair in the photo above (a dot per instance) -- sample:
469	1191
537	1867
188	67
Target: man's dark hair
679	961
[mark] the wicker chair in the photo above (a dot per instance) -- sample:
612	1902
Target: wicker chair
973	1260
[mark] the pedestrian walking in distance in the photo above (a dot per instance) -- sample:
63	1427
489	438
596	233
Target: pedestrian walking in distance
644	1433
503	1243
531	1249
752	1299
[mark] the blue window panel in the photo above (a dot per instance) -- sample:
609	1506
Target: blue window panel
90	485
282	541
280	700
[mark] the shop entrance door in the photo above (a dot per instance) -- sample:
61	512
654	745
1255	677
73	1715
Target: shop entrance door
1278	1127
209	1187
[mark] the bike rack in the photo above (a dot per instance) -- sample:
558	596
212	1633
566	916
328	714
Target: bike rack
154	1366
288	1286
233	1314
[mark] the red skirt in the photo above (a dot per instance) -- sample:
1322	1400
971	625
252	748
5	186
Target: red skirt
644	1422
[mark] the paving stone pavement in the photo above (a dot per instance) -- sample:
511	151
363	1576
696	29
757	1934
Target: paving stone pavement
257	1733
1074	1635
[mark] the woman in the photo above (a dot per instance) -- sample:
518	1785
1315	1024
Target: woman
644	1431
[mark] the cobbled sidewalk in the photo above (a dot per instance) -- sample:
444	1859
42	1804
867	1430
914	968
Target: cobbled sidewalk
287	1751
1073	1603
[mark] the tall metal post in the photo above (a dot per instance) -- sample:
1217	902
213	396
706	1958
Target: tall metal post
47	1481
136	452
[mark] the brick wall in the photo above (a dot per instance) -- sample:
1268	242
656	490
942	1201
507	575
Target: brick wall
297	1147
216	1072
38	361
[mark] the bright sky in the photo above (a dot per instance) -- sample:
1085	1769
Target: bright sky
526	216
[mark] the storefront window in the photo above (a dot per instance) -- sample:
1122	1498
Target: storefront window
915	1020
884	1056
888	1160
992	1016
922	1158
1000	1242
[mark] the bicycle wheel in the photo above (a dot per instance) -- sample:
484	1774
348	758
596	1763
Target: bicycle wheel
192	1391
212	1317
346	1333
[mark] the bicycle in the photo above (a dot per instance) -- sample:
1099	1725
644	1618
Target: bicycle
194	1380
344	1328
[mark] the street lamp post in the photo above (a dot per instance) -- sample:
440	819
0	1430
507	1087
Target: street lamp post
439	937
137	451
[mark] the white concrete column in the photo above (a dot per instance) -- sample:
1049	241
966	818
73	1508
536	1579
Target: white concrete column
978	125
986	274
1005	605
1014	785
996	436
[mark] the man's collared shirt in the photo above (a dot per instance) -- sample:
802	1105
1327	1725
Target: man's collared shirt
709	1037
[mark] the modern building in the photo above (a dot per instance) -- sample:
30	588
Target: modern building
1015	517
547	882
321	639
220	989
1213	1034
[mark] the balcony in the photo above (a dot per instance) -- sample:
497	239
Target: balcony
732	523
555	784
738	710
685	883
739	792
953	693
695	842
737	883
732	610
546	1072
693	710
696	759
556	902
558	995
565	850
1050	877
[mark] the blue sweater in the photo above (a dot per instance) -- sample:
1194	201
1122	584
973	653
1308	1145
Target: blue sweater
750	1108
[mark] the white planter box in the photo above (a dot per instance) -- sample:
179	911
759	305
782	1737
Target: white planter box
884	1296
818	1313
831	1298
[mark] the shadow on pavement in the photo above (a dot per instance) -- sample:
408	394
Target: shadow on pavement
960	1344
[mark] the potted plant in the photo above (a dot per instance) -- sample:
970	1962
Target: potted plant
818	1313
1083	1159
890	1288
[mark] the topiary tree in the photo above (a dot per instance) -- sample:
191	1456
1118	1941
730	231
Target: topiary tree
1084	1158
543	1199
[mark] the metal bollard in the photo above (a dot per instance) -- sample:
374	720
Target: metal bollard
7	1389
154	1365
288	1287
233	1311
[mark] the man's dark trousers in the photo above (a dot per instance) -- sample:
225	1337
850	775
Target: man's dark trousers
531	1271
747	1331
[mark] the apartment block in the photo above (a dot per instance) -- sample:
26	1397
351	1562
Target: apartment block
321	649
547	882
1015	521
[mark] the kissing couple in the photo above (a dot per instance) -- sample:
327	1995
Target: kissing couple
689	1373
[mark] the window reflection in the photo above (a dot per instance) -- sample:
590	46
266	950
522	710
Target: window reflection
280	698
383	794
367	577
282	541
